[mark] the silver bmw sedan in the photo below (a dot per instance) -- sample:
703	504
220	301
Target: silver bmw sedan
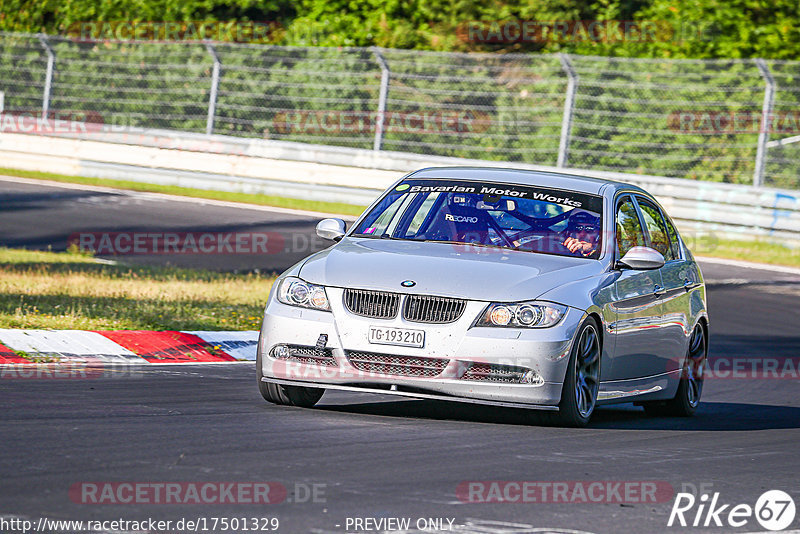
495	286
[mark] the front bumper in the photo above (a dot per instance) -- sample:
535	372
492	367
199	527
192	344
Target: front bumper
456	348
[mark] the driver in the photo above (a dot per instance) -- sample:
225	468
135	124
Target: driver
583	233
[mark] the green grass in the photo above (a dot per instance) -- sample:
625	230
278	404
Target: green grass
757	251
37	358
263	200
69	290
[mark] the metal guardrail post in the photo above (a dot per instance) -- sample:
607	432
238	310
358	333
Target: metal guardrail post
212	97
2	101
380	118
569	106
48	81
766	115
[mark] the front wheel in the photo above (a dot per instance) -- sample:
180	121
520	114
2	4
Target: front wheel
581	384
303	397
685	402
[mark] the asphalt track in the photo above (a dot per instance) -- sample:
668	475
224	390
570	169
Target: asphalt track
375	456
47	217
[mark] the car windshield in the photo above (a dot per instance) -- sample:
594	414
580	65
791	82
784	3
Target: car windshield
508	216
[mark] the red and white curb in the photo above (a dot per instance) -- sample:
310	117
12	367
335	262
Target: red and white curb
125	346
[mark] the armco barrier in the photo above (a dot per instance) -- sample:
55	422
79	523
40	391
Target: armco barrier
356	176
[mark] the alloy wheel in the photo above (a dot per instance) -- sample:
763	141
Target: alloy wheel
695	363
587	371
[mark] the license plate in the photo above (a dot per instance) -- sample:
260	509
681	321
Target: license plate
403	337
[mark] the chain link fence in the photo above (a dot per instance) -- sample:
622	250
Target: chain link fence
735	121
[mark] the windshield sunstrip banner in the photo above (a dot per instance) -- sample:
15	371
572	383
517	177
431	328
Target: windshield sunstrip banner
498	190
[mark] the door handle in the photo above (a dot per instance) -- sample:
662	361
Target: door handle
688	284
659	291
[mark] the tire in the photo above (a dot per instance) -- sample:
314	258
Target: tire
285	395
690	387
582	380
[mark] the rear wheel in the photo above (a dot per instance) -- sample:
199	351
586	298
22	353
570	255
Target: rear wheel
579	394
690	388
285	395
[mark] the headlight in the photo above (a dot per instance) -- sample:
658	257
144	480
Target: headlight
522	314
297	292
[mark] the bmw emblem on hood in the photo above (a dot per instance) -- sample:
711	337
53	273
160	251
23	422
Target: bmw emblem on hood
408	283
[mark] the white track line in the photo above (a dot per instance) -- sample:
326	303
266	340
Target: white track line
749	265
176	198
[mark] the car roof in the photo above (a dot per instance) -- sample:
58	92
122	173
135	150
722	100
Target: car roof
556	180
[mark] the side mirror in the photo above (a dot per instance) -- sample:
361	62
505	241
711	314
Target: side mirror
641	259
331	229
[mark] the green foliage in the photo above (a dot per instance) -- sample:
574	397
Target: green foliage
730	28
684	28
56	16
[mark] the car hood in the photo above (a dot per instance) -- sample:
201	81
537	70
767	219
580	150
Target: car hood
443	269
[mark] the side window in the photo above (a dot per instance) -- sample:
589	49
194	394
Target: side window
674	242
629	229
659	239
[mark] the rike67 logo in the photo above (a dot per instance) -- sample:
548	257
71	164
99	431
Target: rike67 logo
774	510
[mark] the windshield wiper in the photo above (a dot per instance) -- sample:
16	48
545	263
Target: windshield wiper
461	243
374	236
